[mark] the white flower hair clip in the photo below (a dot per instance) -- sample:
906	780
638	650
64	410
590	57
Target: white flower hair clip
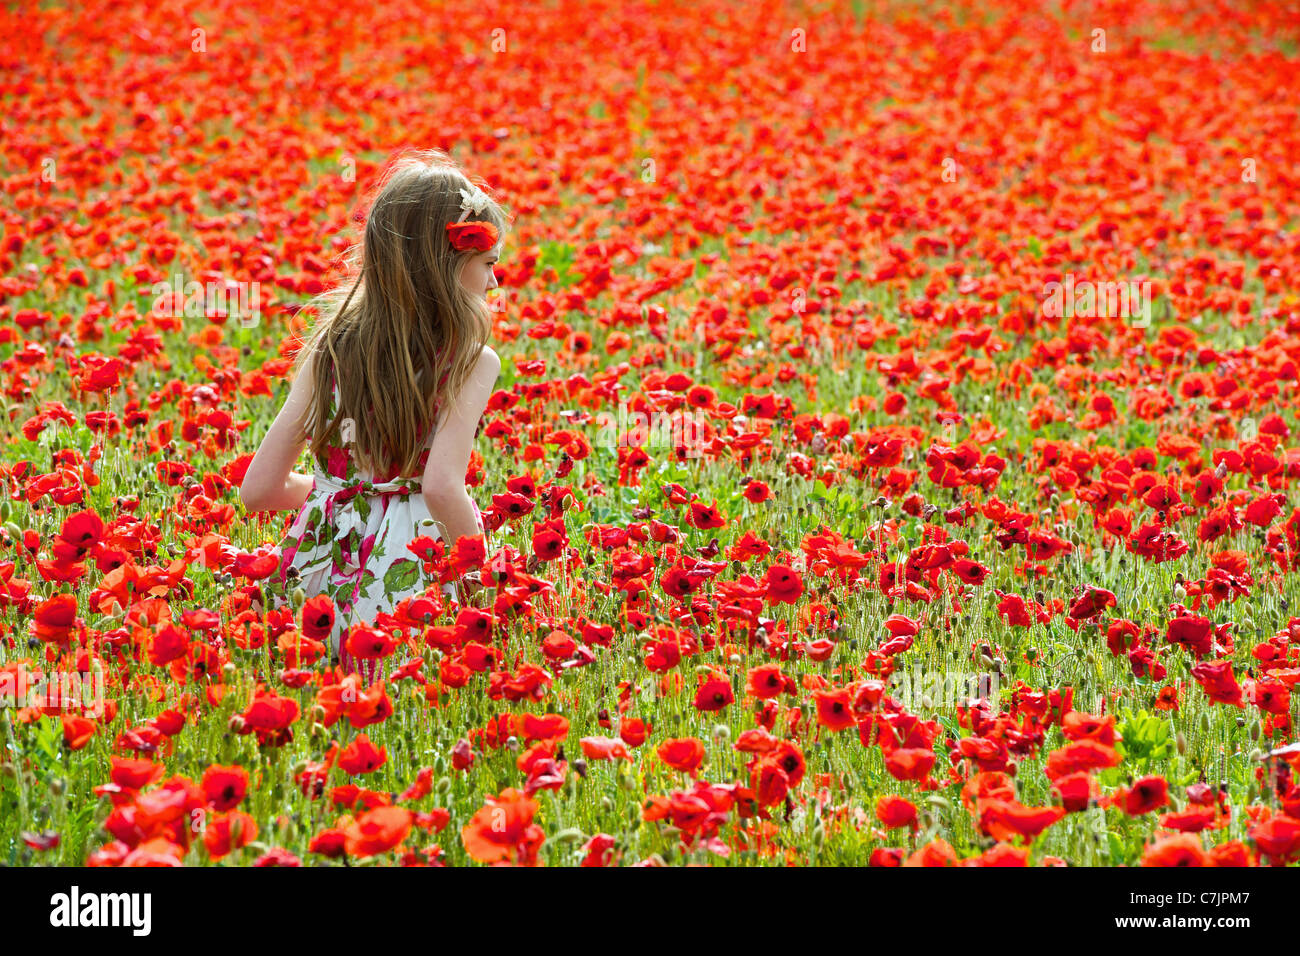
475	235
473	201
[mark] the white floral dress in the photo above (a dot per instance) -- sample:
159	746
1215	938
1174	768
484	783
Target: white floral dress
350	539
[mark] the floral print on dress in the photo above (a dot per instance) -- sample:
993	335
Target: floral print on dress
349	541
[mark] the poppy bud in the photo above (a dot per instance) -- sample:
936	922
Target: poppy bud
1181	742
57	786
298	597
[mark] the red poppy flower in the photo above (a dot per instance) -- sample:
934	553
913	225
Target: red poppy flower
224	787
684	753
713	695
503	831
362	756
472	236
893	811
1181	850
375	831
783	585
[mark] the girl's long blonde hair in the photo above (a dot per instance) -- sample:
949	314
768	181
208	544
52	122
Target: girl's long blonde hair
401	320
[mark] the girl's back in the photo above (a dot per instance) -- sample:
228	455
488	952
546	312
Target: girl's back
350	540
408	338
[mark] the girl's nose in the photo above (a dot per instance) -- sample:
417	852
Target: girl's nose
492	279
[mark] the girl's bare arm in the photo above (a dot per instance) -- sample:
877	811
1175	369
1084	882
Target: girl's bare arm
444	475
271	484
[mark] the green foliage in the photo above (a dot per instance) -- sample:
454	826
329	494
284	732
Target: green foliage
558	256
1146	737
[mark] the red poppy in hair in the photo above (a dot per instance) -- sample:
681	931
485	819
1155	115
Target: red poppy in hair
472	236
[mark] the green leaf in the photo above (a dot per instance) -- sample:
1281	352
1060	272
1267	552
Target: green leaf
1118	852
558	256
402	576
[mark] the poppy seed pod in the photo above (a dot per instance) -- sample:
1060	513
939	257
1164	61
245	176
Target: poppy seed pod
569	836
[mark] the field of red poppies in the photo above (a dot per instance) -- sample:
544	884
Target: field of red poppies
894	460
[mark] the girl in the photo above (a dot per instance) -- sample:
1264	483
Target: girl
389	388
